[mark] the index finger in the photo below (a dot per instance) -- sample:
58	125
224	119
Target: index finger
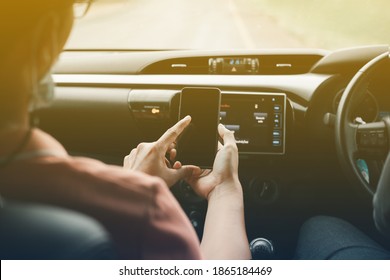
172	133
226	135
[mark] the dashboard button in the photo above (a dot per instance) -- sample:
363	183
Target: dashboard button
381	141
276	142
364	139
373	138
276	133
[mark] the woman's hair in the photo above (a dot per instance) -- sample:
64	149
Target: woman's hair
18	18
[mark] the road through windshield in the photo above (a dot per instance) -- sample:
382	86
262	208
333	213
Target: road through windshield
231	24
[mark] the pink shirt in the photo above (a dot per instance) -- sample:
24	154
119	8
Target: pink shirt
143	217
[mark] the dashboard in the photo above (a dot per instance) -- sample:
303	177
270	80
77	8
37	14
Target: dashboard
145	85
280	103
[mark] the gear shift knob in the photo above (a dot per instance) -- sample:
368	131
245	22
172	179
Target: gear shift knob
261	249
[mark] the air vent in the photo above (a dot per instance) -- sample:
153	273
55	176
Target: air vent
192	65
267	65
287	64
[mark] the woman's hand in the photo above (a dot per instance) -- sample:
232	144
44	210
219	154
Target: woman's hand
150	157
224	175
224	234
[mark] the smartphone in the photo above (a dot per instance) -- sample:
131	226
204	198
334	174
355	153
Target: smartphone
198	143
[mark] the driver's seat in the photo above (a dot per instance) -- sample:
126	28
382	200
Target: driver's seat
33	231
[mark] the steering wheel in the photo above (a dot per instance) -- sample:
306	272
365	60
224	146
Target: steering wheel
356	140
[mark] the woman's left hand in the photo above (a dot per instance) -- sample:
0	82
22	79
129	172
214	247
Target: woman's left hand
150	157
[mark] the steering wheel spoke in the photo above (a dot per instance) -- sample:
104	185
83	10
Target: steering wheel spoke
372	140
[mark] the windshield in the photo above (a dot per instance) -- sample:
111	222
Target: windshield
231	24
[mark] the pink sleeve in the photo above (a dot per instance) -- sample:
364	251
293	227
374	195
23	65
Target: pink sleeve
169	234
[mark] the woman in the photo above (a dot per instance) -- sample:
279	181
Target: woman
133	203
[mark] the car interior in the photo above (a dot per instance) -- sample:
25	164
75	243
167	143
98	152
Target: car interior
310	133
289	164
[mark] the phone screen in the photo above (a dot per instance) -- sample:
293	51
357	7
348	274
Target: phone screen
198	143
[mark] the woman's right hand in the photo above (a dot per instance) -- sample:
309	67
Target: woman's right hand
224	175
224	234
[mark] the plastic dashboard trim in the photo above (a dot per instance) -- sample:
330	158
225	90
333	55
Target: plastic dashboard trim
301	86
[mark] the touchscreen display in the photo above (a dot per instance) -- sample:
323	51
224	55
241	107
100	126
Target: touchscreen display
258	121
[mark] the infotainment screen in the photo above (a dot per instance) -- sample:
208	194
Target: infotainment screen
257	119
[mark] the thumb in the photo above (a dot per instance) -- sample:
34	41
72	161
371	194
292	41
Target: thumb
186	171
